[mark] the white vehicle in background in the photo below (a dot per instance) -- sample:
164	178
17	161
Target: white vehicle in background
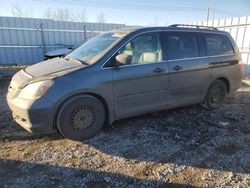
61	52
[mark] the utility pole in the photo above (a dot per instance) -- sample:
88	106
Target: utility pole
208	12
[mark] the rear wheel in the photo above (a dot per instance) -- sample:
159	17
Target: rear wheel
81	117
215	95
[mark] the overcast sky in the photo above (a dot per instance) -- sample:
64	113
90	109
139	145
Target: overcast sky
139	12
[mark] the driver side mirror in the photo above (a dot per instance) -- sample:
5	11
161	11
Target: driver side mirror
123	59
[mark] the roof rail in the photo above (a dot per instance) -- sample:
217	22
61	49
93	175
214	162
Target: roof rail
193	26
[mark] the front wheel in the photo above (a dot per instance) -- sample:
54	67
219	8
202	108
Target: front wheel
81	117
215	95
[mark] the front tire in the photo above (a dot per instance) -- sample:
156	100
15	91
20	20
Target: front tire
80	117
215	95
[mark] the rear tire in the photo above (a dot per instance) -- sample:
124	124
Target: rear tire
80	117
215	95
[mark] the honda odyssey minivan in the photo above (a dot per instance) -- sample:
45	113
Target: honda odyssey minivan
124	73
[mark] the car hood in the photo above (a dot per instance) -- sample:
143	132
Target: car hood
58	52
52	66
45	70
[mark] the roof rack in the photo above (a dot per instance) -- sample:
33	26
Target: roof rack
193	26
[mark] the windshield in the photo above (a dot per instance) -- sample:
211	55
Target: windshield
92	50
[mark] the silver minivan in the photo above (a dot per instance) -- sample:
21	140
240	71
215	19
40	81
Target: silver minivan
124	73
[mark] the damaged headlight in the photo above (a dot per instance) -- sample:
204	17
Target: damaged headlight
36	90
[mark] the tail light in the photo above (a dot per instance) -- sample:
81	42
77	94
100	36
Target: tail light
240	64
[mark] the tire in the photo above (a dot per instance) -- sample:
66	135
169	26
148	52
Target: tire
80	117
215	95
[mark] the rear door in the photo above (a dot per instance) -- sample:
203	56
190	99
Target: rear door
188	68
141	86
223	60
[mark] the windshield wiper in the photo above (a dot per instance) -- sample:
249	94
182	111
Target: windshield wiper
74	59
83	62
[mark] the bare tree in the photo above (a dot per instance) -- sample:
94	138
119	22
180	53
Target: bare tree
17	11
29	14
101	18
65	15
83	16
79	16
57	14
61	15
48	13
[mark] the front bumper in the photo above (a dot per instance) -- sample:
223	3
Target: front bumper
36	116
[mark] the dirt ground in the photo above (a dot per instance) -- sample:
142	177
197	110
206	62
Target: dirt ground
184	147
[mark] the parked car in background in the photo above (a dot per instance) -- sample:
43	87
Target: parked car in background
57	53
124	73
61	52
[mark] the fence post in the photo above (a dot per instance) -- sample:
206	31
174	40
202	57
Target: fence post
85	36
43	39
245	28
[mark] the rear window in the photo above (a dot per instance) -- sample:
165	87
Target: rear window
181	45
218	45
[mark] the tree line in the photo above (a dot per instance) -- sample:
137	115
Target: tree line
59	14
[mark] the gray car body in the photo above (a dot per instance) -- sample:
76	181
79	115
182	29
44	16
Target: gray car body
125	91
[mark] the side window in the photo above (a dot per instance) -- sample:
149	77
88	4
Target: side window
181	45
143	49
218	45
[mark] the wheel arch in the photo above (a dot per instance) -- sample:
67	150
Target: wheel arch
205	104
108	118
226	81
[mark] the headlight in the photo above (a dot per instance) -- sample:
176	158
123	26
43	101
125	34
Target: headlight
35	90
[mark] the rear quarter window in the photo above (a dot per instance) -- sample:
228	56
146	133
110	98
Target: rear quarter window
217	45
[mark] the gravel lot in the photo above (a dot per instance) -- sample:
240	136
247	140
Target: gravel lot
186	147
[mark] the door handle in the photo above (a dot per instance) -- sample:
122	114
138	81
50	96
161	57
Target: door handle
159	70
177	68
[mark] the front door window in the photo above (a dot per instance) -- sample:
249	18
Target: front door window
144	49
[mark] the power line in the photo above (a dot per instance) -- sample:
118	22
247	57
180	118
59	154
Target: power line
134	6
